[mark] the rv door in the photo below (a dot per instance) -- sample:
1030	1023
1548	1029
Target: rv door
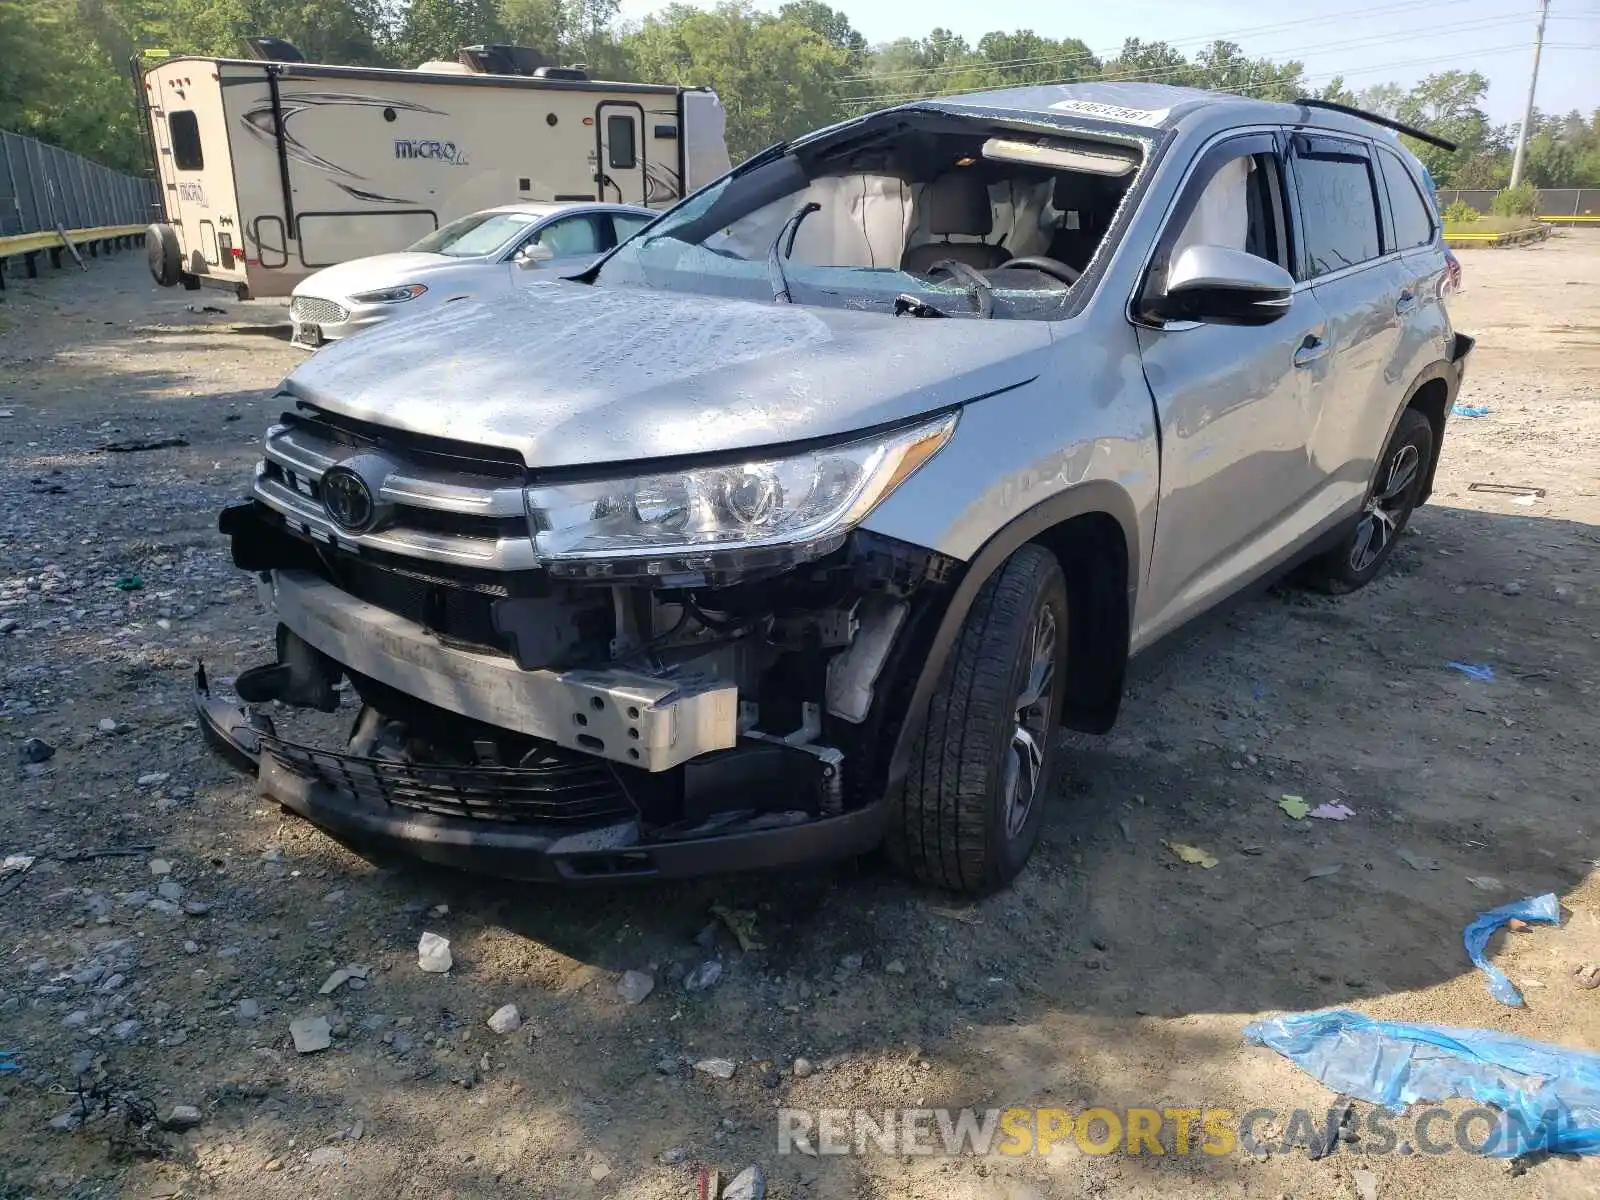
619	145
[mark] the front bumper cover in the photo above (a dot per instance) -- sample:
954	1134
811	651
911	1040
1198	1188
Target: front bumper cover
618	850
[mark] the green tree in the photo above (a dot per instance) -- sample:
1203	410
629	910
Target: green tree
437	29
776	77
1012	59
1449	104
1223	66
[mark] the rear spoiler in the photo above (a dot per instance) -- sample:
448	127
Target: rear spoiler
1350	110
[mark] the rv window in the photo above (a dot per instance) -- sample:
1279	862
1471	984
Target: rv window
620	150
185	132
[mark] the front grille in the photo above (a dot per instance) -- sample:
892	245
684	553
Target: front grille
419	449
564	788
317	311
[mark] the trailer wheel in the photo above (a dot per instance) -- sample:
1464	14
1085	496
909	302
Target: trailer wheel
161	250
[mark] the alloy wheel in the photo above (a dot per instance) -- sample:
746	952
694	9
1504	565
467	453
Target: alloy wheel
1386	507
1025	757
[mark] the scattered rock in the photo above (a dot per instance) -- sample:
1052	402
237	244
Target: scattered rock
851	962
803	1068
196	908
126	1031
748	1184
248	1010
673	1155
311	1034
703	976
191	947
107	725
433	954
153	779
325	1156
182	1116
336	981
634	986
894	967
36	750
165	907
75	1020
170	889
505	1019
1515	588
1366	1183
159	866
599	1171
717	1068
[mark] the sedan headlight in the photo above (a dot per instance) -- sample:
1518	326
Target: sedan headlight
765	511
394	295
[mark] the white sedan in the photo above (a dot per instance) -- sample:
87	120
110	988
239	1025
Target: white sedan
483	254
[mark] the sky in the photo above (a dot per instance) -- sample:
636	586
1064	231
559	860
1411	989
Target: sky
1367	41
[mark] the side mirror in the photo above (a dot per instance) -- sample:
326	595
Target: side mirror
1223	286
533	254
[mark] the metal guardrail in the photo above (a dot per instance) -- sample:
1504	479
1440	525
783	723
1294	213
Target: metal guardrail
44	188
1560	205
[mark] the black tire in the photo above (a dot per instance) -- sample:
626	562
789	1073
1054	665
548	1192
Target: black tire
161	251
1391	499
951	824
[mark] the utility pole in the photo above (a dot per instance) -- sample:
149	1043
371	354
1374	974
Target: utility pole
1533	84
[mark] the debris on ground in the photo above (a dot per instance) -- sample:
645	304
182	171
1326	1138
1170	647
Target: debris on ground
1191	854
1543	910
505	1019
127	583
717	1068
1332	812
1588	976
742	924
181	1117
634	986
135	445
433	954
311	1034
703	976
1295	806
748	1184
1418	862
1550	1095
8	1062
36	750
1482	672
1486	883
1324	872
1470	410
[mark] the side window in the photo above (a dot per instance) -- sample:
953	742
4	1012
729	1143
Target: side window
628	226
184	131
571	236
1413	220
621	152
1338	204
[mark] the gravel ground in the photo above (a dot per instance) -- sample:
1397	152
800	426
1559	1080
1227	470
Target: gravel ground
171	926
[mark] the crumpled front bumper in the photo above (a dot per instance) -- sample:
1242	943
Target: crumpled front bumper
612	850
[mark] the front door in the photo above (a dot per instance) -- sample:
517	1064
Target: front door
1235	404
619	145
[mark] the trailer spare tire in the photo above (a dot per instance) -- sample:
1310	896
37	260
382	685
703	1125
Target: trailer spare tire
161	249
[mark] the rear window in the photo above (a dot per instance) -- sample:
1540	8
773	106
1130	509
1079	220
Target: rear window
1339	210
1413	222
184	130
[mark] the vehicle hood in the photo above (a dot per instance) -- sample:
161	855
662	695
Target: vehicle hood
568	374
346	279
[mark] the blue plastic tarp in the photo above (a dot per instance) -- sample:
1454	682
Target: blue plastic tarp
1549	1095
1544	910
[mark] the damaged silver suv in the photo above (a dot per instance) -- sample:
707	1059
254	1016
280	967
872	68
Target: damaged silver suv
801	522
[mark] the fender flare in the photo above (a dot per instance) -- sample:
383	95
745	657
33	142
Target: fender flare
1448	372
1095	496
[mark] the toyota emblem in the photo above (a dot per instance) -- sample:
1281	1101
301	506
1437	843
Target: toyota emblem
348	499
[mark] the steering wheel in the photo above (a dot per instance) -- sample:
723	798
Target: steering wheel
1052	267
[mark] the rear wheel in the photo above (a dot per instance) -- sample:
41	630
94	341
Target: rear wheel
1357	559
969	813
161	251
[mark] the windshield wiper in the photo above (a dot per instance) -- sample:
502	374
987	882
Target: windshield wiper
982	289
791	227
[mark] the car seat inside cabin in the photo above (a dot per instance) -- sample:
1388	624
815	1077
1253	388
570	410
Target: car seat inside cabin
857	220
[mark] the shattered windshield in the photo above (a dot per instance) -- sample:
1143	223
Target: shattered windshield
958	219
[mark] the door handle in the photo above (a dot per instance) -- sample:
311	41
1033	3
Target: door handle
1310	350
1406	303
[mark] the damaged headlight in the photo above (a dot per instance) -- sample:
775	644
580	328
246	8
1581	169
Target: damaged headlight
687	520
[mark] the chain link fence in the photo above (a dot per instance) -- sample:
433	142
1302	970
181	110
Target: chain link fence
1552	204
44	187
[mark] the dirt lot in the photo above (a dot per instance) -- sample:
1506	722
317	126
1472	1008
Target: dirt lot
1112	974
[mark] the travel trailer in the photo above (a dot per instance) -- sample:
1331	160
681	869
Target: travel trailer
272	168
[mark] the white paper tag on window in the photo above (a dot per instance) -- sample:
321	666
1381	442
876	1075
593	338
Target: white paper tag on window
1113	112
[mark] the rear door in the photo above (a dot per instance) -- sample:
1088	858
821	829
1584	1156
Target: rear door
1413	226
1234	402
1362	284
619	137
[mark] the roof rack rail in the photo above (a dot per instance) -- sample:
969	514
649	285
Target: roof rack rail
1422	135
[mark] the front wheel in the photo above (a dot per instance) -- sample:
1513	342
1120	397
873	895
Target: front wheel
969	813
1358	558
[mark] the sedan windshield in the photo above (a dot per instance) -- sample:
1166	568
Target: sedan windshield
475	235
959	218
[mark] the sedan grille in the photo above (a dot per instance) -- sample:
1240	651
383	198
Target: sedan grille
317	311
561	788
